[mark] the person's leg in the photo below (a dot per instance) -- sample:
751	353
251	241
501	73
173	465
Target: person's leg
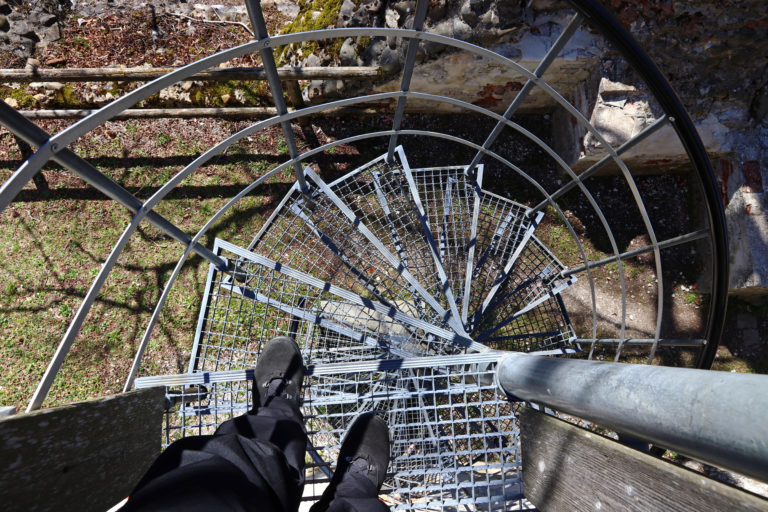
227	472
356	491
252	462
281	424
361	468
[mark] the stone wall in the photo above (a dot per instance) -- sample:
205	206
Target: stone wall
715	55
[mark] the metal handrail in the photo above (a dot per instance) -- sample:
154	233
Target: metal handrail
717	417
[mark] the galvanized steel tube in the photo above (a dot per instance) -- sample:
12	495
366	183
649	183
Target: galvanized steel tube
717	417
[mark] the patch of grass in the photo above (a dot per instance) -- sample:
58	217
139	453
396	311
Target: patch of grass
50	252
163	138
282	145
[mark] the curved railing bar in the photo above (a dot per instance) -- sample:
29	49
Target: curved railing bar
232	139
686	132
74	326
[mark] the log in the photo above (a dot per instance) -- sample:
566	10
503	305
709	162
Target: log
569	468
190	113
86	456
218	74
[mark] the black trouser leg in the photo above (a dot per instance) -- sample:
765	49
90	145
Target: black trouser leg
356	493
252	462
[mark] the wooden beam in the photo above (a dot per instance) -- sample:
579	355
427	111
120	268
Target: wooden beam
569	468
189	113
84	456
218	74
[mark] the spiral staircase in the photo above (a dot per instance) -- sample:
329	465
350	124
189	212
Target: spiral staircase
373	276
402	286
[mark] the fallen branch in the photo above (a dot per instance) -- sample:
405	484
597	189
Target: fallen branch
219	74
187	113
246	27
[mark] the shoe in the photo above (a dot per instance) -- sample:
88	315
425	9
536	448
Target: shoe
279	372
364	451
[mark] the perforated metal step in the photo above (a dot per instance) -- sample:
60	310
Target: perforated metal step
454	435
379	276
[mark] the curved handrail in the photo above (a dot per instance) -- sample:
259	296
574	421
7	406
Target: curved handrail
590	9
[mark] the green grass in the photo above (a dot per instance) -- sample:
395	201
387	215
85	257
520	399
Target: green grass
51	250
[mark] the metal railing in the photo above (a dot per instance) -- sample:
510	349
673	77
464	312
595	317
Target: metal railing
717	417
55	147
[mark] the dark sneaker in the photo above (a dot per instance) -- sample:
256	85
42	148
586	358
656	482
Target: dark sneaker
364	453
279	372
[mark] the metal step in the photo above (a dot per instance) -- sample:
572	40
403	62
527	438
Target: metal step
526	313
262	299
451	317
378	193
315	233
451	198
454	434
503	230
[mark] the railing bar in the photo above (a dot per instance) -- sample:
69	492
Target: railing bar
716	417
669	342
557	47
270	68
74	326
671	242
647	132
32	134
477	185
405	84
107	112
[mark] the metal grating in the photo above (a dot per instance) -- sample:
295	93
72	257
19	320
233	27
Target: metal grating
503	229
378	193
449	196
310	234
526	313
454	435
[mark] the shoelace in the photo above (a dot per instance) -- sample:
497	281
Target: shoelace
276	387
361	466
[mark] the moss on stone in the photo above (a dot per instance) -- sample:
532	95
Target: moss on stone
329	14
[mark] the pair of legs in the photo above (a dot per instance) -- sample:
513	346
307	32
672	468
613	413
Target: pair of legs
256	461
